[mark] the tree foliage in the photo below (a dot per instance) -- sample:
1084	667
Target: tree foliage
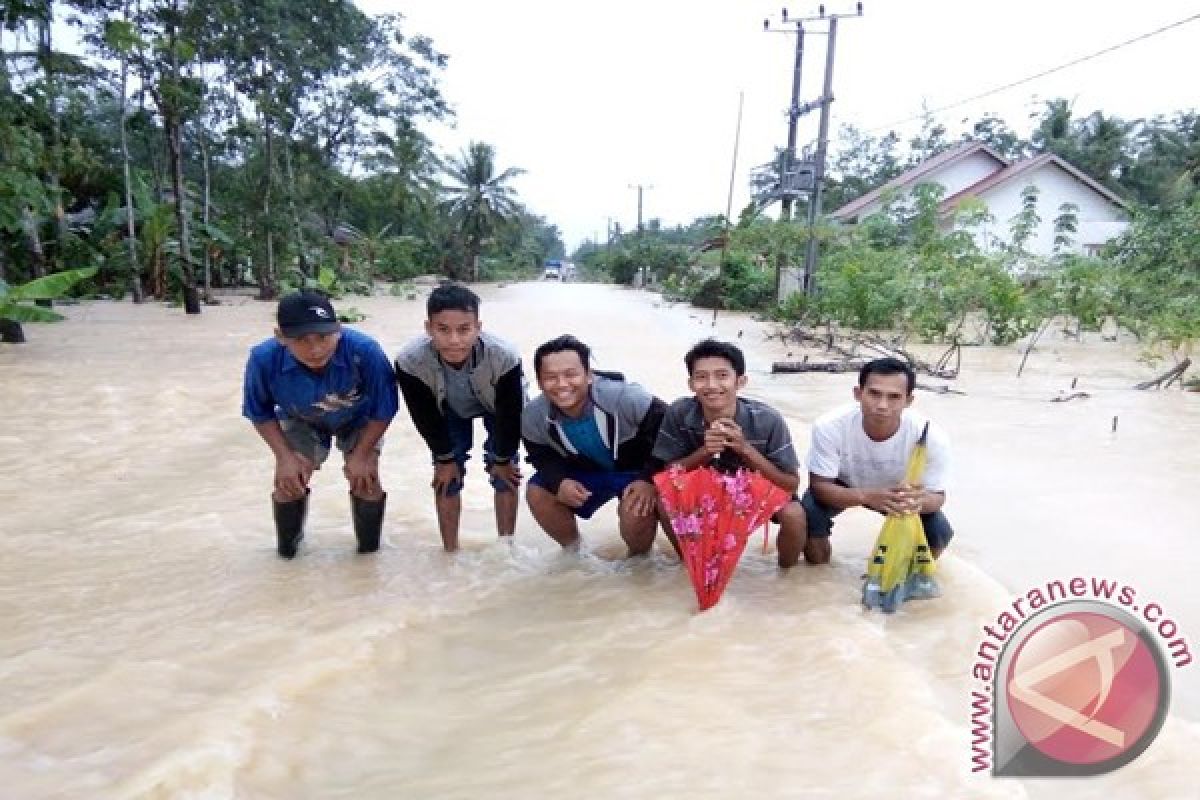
262	142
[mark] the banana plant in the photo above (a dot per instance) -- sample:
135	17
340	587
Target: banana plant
13	301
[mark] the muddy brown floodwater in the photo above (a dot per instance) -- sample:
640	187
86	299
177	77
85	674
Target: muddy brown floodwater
153	646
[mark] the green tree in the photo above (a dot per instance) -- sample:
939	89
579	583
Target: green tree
861	162
1159	295
996	134
14	308
479	200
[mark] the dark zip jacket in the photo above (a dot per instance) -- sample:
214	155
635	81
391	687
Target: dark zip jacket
627	417
495	376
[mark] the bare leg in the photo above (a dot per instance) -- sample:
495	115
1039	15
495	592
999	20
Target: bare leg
666	525
449	509
793	534
554	518
817	551
637	531
376	492
506	512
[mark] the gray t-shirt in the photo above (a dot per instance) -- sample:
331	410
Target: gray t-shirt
460	397
682	433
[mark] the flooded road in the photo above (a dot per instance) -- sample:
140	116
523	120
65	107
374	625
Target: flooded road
153	645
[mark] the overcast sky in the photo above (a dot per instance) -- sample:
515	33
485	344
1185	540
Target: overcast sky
592	97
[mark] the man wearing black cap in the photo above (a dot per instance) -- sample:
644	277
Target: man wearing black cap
313	382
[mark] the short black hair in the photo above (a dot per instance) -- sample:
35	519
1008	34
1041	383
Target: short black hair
712	348
888	366
452	297
560	345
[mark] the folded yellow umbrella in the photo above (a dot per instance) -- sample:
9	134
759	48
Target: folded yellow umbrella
901	566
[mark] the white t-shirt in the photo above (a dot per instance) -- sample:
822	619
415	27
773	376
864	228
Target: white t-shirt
841	450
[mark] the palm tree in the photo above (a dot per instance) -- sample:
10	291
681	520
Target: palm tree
479	201
406	169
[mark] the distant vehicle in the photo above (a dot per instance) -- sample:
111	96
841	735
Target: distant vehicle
553	271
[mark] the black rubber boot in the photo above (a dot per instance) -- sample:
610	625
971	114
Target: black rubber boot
368	522
289	525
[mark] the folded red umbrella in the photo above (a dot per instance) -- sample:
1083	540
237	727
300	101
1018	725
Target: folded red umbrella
712	514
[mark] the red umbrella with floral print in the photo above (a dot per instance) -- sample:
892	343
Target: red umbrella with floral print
712	514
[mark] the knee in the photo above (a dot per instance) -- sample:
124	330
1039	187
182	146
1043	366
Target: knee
792	520
539	499
789	557
817	551
639	545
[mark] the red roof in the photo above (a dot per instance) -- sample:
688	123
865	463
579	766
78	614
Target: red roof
1022	167
943	159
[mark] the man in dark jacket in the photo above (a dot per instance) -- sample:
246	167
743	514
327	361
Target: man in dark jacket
450	376
590	436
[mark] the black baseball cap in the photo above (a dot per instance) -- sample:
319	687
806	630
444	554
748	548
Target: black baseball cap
305	312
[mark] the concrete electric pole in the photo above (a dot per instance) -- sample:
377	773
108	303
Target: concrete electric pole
804	177
641	187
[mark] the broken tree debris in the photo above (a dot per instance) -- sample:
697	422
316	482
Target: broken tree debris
857	349
1165	380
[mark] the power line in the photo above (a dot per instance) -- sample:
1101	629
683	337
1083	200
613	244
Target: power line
1041	74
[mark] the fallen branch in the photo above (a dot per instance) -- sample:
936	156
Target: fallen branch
1063	397
825	341
955	350
862	341
943	389
1175	373
1032	342
893	349
816	366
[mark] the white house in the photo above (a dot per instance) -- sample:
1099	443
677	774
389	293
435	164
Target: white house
974	170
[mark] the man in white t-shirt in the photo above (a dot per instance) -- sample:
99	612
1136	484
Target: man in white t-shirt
858	457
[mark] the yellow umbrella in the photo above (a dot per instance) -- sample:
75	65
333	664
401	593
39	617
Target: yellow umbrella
901	566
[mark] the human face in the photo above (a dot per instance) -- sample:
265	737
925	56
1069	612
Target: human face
565	381
716	385
883	399
454	333
313	350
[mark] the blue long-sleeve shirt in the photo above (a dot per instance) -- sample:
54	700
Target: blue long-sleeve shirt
357	385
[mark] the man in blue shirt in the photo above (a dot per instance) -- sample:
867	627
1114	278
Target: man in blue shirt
314	382
590	437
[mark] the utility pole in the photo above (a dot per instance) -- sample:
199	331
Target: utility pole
814	205
737	140
642	269
640	188
789	155
804	177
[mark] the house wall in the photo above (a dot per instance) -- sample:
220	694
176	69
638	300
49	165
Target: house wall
953	178
1099	219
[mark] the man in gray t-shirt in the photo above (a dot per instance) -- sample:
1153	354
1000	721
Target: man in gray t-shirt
715	425
684	428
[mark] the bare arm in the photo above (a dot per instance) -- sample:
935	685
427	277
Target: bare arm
890	500
752	458
696	459
272	434
292	470
362	466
